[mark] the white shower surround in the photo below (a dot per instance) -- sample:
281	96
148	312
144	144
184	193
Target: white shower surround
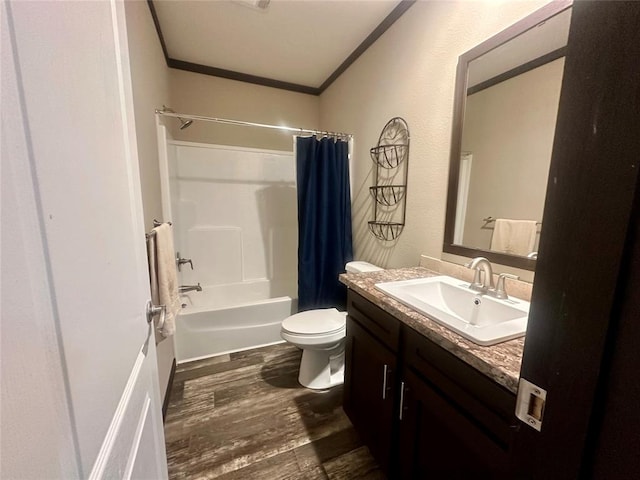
234	212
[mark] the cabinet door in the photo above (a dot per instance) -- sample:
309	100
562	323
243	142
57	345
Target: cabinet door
369	390
436	440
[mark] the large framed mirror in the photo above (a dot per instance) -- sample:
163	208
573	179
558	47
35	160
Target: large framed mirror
505	108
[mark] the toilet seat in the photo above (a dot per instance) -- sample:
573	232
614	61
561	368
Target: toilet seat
314	323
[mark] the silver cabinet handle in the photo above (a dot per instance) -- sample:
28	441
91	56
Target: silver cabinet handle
401	399
153	310
384	381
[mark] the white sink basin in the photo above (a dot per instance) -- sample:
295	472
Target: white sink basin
480	318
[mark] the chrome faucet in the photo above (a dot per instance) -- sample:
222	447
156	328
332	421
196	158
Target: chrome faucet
189	288
483	278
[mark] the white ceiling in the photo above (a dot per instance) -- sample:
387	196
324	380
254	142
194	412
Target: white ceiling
296	41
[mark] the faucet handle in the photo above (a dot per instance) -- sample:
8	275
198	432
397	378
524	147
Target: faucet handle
181	261
500	291
508	275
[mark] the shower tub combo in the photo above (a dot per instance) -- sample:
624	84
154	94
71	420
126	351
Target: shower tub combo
229	318
234	214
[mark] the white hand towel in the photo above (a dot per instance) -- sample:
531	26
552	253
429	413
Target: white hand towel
515	237
163	275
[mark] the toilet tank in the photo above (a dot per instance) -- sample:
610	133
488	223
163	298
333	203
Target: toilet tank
361	267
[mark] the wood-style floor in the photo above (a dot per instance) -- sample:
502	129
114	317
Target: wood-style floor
244	416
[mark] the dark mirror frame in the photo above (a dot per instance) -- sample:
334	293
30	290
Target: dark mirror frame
460	95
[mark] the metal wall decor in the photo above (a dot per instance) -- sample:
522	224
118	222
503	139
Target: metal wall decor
391	158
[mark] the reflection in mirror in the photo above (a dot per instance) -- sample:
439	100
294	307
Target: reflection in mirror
507	138
507	96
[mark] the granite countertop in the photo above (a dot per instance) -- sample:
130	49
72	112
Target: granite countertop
500	362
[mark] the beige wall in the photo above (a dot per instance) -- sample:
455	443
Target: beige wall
149	75
198	94
509	128
410	72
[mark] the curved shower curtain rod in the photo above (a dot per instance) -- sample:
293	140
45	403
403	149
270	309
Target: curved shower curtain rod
251	124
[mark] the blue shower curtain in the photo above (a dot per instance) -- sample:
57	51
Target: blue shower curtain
324	221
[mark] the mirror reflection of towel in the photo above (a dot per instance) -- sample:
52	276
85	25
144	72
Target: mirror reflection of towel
515	237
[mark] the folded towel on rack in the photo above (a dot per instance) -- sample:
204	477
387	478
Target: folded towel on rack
515	237
163	275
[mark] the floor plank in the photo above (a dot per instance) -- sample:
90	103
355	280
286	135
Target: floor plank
244	415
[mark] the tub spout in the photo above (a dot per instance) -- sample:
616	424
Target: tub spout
189	288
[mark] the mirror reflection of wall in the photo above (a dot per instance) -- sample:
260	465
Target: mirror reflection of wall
509	129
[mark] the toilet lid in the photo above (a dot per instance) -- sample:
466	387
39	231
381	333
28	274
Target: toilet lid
315	322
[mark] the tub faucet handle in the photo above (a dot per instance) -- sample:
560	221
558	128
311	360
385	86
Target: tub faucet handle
181	261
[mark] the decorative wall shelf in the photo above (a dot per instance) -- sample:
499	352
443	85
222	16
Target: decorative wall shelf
391	158
388	195
386	231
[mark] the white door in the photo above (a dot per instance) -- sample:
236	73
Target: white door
80	394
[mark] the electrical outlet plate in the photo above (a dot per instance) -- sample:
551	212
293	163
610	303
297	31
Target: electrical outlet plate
530	404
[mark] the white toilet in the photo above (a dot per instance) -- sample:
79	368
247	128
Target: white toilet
320	334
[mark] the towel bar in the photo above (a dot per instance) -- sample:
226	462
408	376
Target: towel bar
152	233
491	219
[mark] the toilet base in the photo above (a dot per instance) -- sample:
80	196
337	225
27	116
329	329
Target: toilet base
322	369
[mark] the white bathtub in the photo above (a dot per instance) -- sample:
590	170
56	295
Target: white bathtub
229	318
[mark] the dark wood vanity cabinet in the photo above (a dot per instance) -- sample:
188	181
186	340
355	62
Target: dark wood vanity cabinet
455	421
371	376
436	440
439	418
369	396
